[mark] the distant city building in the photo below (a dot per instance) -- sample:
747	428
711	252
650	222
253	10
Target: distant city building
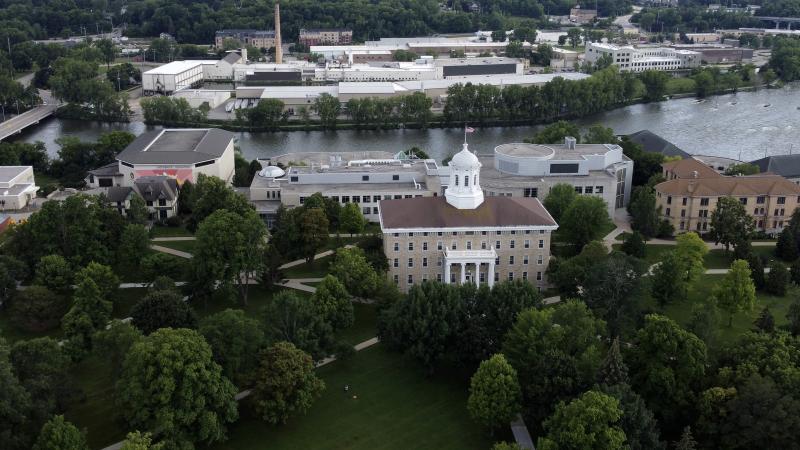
688	202
718	53
17	187
579	15
325	36
639	59
181	154
189	74
700	38
464	237
257	38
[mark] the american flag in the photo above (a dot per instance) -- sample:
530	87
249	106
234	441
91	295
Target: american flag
469	130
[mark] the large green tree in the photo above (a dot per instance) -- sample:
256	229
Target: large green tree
162	309
494	393
37	309
54	272
60	434
556	353
669	279
291	318
171	386
644	214
351	268
730	222
15	425
235	340
559	198
590	422
638	422
41	366
352	220
285	383
585	220
334	303
736	292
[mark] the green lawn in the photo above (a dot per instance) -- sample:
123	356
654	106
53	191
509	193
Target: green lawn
653	252
162	231
364	326
718	259
256	299
12	333
681	312
391	404
341	241
317	269
184	246
124	300
93	408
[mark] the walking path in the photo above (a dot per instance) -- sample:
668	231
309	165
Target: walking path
299	284
298	262
174	238
247	392
171	251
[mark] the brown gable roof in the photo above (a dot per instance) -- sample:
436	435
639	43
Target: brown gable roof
685	168
724	186
435	212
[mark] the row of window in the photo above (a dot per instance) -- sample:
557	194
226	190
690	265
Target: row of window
466	233
364	198
776	224
439	261
760	200
703	213
482	277
454	245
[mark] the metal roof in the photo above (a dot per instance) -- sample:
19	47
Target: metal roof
784	165
435	212
177	146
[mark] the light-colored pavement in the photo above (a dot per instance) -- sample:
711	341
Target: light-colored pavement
299	284
16	124
174	239
171	251
297	262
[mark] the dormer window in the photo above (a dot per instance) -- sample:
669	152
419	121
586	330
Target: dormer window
456	180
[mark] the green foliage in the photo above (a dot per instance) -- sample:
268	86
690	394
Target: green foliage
613	369
655	84
559	198
730	222
645	216
54	272
785	59
351	268
777	279
114	341
667	364
328	109
285	383
584	221
351	219
162	309
159	264
15	429
686	441
90	311
793	316
75	81
123	76
494	393
598	134
37	308
610	290
669	279
404	55
57	433
736	292
591	421
140	441
765	321
646	165
134	244
295	319
742	169
148	399
786	247
235	340
137	212
555	133
333	302
103	277
637	421
170	111
268	113
634	245
556	353
41	367
691	251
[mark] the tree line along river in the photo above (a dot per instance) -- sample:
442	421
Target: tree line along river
745	125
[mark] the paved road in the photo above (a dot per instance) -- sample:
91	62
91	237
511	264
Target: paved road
171	251
16	124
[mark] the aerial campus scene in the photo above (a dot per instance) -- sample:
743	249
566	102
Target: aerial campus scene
399	224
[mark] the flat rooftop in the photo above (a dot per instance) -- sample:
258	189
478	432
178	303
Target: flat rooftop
177	67
177	146
444	62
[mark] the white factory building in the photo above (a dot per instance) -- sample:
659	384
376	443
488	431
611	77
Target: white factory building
638	59
187	74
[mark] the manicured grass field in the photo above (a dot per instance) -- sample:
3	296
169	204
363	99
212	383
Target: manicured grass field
317	269
701	290
184	246
653	252
396	407
364	326
162	231
94	408
718	259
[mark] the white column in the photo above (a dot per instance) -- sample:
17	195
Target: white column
463	273
491	274
477	276
446	271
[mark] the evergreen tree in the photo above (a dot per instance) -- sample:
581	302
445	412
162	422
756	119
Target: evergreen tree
613	369
686	442
736	292
638	422
757	271
794	272
765	321
793	316
634	245
786	247
777	279
668	282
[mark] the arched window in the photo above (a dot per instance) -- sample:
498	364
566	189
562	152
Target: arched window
456	180
466	181
475	180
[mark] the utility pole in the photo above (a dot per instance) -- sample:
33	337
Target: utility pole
8	40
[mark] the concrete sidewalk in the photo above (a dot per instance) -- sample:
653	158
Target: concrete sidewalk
174	239
171	251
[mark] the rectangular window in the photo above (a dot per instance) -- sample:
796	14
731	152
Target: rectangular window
396	262
395	177
483	245
683	213
511	244
397	246
374	210
410	262
743	200
579	189
510	276
356	199
683	201
541	243
376	198
704	201
497	245
540	260
538	276
396	279
345	199
439	277
588	190
293	179
411	246
424	262
469	245
527	243
669	200
424	246
366	199
525	260
781	200
530	192
511	259
438	245
453	246
525	276
564	168
598	189
365	210
761	199
364	177
667	211
410	279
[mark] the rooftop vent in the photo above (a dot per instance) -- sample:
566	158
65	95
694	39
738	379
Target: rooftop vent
569	142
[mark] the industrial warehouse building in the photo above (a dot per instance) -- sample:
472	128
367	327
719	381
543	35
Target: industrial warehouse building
639	59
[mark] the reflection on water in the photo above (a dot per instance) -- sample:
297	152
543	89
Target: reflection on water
753	123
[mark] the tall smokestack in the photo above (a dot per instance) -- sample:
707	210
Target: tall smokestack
278	48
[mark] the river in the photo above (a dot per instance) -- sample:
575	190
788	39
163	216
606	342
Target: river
746	125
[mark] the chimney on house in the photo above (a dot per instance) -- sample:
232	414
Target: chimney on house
278	48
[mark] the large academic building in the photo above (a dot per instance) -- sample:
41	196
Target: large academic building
464	237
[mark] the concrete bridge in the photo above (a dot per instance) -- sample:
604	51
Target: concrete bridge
15	125
780	20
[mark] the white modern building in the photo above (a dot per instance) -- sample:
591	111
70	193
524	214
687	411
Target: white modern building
179	75
182	154
513	170
17	187
638	59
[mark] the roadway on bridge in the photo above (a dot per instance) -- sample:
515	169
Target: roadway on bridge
18	123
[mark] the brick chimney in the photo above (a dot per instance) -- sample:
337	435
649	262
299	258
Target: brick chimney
278	47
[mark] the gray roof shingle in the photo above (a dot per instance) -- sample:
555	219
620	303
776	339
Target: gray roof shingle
654	143
177	146
784	165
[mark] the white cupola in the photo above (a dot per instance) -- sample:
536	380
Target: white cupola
464	190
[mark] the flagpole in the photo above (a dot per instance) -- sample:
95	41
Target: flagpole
465	132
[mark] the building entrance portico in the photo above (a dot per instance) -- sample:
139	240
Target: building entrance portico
468	266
